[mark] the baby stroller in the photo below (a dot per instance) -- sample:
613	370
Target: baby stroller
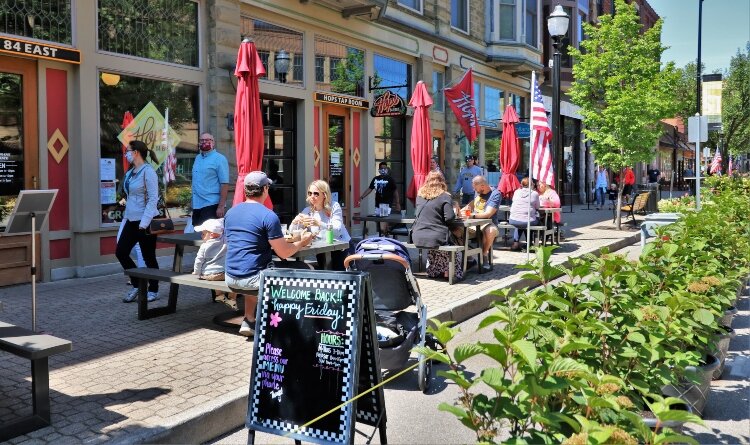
394	289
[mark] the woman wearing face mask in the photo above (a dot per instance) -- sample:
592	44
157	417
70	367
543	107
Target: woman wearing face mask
141	186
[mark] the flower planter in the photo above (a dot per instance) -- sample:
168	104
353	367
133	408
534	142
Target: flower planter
725	335
651	421
726	319
695	394
741	289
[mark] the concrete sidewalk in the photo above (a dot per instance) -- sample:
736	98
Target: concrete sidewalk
180	378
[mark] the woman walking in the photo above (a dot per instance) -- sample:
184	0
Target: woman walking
141	187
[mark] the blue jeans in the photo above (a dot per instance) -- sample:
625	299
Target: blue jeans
601	192
520	226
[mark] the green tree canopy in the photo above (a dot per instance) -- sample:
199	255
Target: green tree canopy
622	88
735	104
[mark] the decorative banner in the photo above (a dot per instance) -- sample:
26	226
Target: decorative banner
147	127
388	104
461	100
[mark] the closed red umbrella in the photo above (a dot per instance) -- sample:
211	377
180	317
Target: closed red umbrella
127	118
421	139
509	154
248	123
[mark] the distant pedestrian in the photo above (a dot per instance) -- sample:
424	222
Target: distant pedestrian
464	178
491	167
653	175
386	192
210	181
600	189
434	165
629	183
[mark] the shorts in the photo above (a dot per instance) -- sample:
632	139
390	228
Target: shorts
473	230
247	283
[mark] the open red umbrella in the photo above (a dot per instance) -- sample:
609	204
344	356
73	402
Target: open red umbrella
248	123
421	139
509	154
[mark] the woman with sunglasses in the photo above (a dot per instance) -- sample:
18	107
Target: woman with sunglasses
321	213
141	186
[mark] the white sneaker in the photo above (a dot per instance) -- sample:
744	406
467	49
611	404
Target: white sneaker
152	296
131	296
246	329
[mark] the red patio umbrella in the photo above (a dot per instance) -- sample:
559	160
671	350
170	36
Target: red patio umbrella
421	139
509	154
248	123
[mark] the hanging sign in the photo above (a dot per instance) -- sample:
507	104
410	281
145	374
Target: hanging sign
314	349
523	130
388	104
336	99
39	50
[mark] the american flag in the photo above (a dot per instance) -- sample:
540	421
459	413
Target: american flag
716	163
541	160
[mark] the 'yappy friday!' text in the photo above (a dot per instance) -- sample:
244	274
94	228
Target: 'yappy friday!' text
308	302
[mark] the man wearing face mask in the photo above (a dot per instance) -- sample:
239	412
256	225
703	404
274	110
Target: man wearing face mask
210	181
386	192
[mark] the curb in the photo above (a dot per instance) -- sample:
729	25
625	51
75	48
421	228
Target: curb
222	415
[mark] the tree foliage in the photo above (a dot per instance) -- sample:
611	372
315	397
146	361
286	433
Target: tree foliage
685	91
735	105
623	89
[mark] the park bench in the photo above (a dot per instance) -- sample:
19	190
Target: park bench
637	206
37	348
143	274
539	234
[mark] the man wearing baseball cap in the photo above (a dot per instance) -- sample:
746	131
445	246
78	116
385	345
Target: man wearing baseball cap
253	234
465	176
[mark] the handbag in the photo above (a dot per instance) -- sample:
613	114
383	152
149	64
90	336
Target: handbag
160	224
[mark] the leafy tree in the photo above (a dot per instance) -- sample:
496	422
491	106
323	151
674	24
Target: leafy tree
735	105
685	91
623	89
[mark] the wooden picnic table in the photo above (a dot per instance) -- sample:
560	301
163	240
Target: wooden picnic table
394	218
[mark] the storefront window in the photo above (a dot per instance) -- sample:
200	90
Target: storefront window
137	108
438	95
339	68
270	39
390	132
492	139
48	20
493	103
165	30
279	151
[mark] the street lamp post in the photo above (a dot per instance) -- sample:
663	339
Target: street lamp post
281	65
557	25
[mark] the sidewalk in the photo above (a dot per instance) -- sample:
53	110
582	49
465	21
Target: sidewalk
180	378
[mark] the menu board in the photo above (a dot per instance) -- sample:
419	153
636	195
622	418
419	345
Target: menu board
11	174
310	356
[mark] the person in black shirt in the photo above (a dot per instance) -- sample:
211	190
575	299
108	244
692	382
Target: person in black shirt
653	175
385	192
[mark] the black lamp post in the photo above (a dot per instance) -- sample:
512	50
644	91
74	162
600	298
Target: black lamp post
281	65
557	25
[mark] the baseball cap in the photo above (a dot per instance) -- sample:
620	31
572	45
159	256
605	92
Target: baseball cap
257	179
211	225
472	157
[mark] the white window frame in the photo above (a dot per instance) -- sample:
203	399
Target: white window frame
419	11
468	18
519	19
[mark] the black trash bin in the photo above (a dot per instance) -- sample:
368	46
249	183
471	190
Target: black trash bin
653	197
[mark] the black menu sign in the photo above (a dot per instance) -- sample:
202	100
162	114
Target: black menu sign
11	174
311	356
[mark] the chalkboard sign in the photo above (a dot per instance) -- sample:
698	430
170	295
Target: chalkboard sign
314	350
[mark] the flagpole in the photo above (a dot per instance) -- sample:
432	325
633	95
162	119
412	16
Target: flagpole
532	143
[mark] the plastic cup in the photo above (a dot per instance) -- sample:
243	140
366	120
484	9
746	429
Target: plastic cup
284	228
403	213
297	234
377	211
467	213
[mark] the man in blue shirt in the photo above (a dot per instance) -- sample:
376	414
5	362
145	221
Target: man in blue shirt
484	206
253	234
465	176
210	181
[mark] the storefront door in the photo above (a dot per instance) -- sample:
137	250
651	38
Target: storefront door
336	156
19	160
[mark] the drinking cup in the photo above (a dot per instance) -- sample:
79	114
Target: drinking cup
297	234
467	213
377	211
284	229
403	213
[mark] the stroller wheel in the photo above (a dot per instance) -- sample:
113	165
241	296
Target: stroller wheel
424	374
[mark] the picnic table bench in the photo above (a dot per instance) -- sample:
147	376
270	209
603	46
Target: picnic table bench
37	348
453	250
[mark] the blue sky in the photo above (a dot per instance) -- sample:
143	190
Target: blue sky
726	27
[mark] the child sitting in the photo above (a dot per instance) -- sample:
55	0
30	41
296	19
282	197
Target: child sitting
209	262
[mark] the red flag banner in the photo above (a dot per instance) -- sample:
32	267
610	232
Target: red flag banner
461	100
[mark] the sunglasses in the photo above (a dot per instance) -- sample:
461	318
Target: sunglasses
316	194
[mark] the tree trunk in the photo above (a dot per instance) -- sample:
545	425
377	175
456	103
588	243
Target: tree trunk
620	188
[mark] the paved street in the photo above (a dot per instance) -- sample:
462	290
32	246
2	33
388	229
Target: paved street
129	381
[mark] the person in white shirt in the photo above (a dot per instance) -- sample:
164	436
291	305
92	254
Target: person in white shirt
212	254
